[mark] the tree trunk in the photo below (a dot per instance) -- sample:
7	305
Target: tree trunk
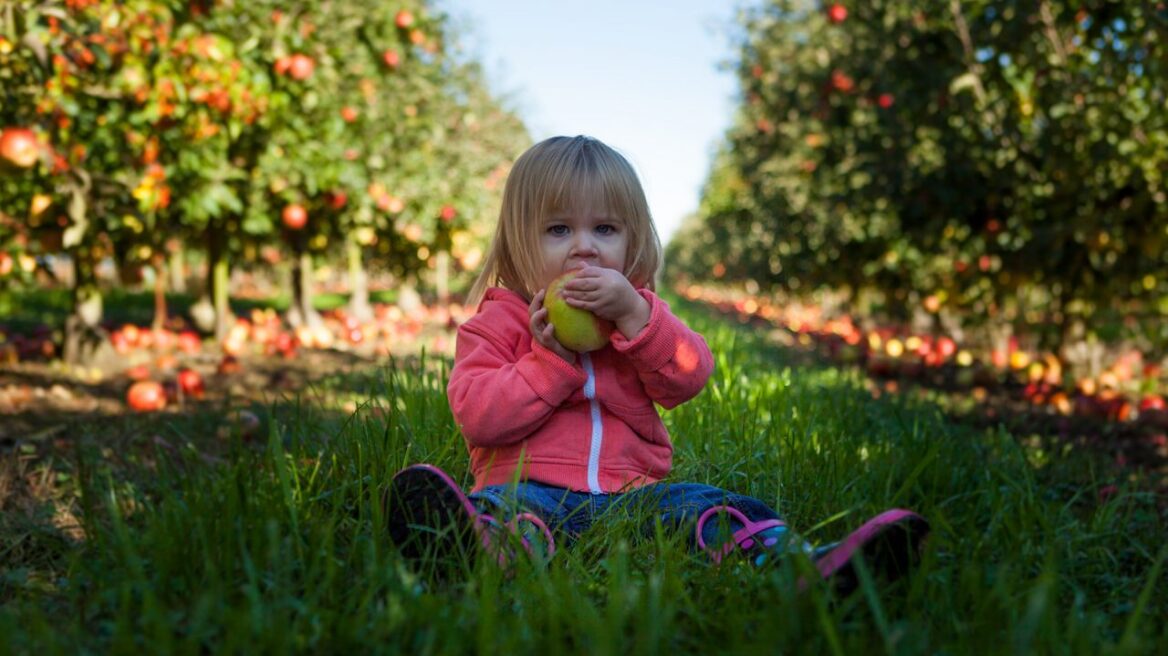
223	316
408	298
83	336
218	279
301	312
177	269
159	292
359	307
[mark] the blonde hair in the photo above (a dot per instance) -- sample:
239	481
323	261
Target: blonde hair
566	174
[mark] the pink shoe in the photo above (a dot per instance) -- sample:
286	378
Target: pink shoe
427	514
746	538
890	544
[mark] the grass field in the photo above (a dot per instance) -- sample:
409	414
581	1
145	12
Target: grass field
196	542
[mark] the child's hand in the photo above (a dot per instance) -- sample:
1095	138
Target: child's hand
608	294
544	331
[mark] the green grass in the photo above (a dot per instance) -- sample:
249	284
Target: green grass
280	547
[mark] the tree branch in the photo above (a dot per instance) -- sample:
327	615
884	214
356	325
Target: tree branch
967	46
1051	32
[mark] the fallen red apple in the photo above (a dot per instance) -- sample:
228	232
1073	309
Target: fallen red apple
189	342
1152	402
146	396
1154	411
229	365
138	372
191	383
577	329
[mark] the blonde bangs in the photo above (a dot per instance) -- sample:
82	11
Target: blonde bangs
567	174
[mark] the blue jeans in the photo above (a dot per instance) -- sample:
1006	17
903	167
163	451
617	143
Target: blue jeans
677	505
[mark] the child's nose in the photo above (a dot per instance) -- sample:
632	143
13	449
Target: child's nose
583	244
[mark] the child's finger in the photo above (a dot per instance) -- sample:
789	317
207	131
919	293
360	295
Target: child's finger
581	275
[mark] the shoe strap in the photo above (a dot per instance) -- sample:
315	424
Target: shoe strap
534	520
744	538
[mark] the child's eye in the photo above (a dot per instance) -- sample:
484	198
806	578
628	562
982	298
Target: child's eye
606	229
558	229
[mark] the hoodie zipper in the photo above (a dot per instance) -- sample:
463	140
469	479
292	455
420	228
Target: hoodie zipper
597	426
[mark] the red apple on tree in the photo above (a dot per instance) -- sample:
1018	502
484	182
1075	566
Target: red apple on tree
837	13
349	113
842	81
295	216
577	329
301	66
19	146
404	19
946	347
391	58
448	213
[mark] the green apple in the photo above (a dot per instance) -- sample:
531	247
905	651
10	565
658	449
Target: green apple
578	330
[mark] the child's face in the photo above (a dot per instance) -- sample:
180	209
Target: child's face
573	239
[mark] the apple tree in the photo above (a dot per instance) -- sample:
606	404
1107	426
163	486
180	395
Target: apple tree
69	72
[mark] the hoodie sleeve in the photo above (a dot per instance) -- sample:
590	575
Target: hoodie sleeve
499	396
672	361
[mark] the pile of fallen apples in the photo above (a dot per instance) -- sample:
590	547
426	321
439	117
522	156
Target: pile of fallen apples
1129	389
159	379
157	352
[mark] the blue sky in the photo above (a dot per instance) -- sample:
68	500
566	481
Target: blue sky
641	75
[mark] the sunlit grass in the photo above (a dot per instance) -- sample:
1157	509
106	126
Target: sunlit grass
225	544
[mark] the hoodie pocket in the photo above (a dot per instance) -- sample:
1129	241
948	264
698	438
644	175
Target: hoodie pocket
642	419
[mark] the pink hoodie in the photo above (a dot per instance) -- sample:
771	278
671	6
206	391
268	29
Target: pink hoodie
591	426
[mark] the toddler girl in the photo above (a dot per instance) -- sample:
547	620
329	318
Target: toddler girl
559	438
